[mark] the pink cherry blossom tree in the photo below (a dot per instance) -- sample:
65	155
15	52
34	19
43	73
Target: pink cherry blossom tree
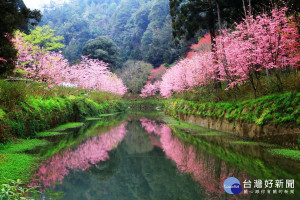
267	44
261	43
188	73
150	89
53	68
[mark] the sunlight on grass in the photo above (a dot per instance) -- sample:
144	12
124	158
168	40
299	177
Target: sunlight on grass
287	153
68	125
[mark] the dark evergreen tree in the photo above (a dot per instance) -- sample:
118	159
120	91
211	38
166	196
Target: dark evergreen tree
13	15
103	48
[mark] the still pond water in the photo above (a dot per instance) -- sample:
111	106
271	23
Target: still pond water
139	157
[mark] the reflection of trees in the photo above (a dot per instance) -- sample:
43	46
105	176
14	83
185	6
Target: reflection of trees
209	171
83	157
137	141
106	169
128	176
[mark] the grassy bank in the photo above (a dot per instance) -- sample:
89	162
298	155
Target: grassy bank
278	109
26	110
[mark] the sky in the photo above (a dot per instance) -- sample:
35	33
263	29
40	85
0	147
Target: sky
38	4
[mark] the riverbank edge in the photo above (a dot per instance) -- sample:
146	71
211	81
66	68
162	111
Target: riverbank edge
14	157
263	119
37	114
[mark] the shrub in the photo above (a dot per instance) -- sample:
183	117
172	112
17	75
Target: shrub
14	190
11	94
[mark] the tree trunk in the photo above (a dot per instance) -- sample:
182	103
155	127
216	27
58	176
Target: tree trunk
250	8
219	18
245	10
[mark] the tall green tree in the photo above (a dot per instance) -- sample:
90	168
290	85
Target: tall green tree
135	74
44	37
103	48
13	15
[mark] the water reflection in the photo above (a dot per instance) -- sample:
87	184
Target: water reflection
209	171
91	152
142	159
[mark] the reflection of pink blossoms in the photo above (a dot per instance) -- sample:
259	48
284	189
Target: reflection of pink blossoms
187	161
86	155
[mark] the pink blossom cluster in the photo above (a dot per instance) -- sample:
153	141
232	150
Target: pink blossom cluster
188	73
88	154
53	68
262	43
150	89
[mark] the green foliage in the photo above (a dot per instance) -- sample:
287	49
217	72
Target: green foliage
141	29
15	190
103	48
134	75
11	94
280	109
44	37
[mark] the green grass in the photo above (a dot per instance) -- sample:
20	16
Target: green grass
93	118
17	165
213	133
68	125
109	114
186	126
287	153
22	145
101	116
245	142
278	109
48	133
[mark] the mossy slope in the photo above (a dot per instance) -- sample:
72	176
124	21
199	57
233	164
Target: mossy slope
279	109
38	114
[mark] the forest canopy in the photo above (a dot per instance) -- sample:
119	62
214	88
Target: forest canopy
140	28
